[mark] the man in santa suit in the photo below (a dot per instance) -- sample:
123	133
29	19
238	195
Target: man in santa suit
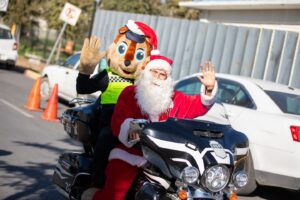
153	98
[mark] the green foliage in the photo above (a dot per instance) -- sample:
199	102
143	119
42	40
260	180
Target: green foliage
22	12
152	7
80	30
133	6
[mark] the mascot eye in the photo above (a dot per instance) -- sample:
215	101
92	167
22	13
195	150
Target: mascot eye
140	55
122	48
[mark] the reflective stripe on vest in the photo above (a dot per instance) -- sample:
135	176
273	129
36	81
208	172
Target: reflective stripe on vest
116	85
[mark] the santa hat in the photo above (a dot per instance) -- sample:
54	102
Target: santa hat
158	61
141	29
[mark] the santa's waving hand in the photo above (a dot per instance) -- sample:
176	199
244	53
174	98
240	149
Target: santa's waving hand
208	79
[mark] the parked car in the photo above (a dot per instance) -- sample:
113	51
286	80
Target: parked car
64	75
269	114
8	47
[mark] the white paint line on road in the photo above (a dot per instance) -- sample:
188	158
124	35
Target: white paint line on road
16	108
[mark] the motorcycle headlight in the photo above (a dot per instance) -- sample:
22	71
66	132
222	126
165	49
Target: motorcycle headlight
216	178
240	179
190	174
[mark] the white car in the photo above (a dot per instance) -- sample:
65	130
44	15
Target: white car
269	114
8	47
65	76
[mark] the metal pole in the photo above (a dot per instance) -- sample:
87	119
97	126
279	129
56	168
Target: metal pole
56	43
96	2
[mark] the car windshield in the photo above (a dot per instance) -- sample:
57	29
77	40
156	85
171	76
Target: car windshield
72	60
216	114
5	34
288	103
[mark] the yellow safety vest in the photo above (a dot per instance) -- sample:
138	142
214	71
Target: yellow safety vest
115	86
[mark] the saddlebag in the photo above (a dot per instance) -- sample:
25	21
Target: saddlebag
72	173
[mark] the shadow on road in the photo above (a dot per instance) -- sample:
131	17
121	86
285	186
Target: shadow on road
47	146
274	193
15	69
4	153
32	182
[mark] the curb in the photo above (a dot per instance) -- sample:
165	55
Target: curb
32	74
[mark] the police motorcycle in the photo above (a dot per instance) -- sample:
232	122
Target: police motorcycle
202	158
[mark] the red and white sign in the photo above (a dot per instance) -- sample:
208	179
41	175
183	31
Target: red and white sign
70	14
3	5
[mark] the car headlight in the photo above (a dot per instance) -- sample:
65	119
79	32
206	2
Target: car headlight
190	174
240	179
216	178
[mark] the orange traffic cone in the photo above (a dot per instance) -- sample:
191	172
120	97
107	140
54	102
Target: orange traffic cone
34	98
50	113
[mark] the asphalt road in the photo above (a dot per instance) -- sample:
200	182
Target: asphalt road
30	146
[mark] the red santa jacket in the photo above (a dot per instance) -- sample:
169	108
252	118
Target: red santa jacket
127	109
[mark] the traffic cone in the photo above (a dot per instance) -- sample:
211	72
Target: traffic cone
50	114
34	98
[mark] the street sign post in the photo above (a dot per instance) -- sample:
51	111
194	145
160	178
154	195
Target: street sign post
69	15
3	5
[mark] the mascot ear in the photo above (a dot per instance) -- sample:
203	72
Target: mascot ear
123	29
147	60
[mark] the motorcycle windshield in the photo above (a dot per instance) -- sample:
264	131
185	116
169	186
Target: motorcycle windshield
216	114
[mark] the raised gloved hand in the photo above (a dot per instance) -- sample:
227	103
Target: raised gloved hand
209	77
90	55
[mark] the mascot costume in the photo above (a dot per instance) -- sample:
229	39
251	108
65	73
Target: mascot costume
125	57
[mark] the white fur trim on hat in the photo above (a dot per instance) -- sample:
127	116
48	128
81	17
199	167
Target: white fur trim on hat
123	135
208	100
131	159
134	27
155	52
159	64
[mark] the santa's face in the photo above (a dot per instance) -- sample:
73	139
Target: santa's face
159	74
154	91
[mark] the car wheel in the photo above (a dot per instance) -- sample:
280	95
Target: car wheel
45	89
252	185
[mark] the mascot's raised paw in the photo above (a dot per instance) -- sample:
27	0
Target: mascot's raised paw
90	55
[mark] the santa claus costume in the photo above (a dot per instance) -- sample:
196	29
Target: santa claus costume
151	99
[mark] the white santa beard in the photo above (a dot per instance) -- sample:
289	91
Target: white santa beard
154	97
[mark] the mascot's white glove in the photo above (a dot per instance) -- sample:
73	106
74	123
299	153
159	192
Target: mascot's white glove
90	55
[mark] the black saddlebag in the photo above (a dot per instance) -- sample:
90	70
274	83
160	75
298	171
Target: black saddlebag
72	174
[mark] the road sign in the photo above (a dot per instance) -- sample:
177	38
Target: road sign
70	14
3	5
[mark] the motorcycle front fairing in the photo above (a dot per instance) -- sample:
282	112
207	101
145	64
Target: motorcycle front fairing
203	142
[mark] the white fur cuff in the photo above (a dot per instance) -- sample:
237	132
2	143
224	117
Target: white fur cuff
208	100
123	135
131	159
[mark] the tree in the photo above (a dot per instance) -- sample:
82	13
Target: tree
152	7
80	30
23	13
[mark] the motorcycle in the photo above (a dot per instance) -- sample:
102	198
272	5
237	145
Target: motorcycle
202	158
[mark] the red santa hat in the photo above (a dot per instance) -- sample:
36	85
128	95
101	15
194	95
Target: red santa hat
142	29
158	61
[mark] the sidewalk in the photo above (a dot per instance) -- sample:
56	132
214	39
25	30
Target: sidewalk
32	67
30	64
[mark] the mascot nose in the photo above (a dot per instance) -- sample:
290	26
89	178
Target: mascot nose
127	63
